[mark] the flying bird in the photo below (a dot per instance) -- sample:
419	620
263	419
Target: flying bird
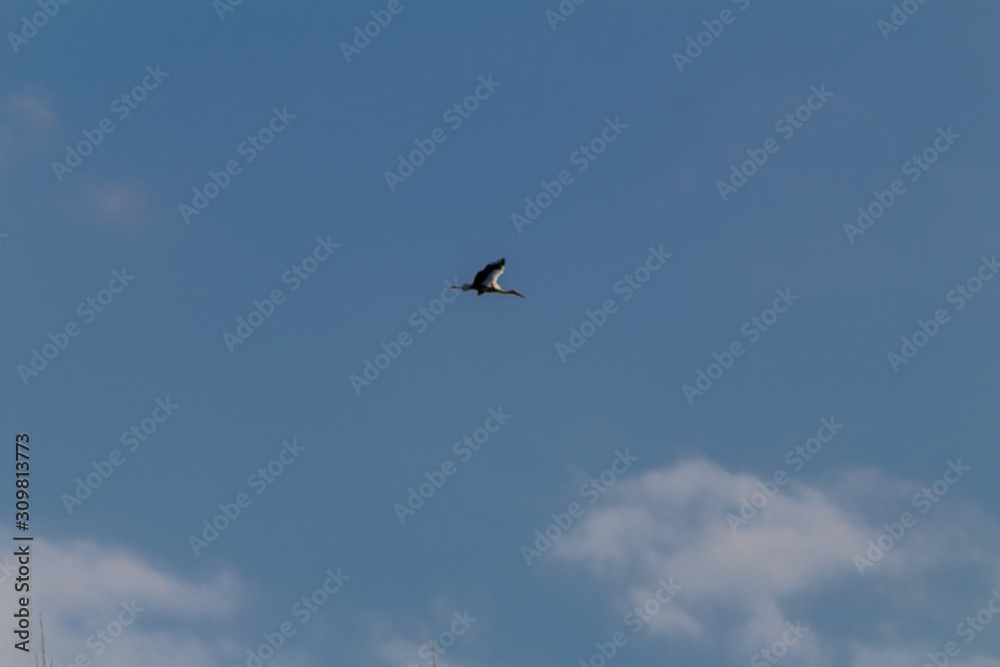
486	281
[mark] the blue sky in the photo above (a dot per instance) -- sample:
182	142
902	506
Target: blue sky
648	480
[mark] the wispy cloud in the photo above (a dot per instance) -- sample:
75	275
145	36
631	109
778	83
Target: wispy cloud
26	120
117	203
27	124
32	111
405	641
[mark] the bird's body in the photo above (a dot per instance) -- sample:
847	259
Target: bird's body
486	281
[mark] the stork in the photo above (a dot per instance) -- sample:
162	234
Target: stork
486	281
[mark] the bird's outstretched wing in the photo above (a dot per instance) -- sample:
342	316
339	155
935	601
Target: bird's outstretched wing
489	275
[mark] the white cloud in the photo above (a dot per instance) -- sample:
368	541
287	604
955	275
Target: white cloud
113	575
80	588
792	562
740	589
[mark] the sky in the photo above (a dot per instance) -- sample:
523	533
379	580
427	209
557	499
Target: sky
746	413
